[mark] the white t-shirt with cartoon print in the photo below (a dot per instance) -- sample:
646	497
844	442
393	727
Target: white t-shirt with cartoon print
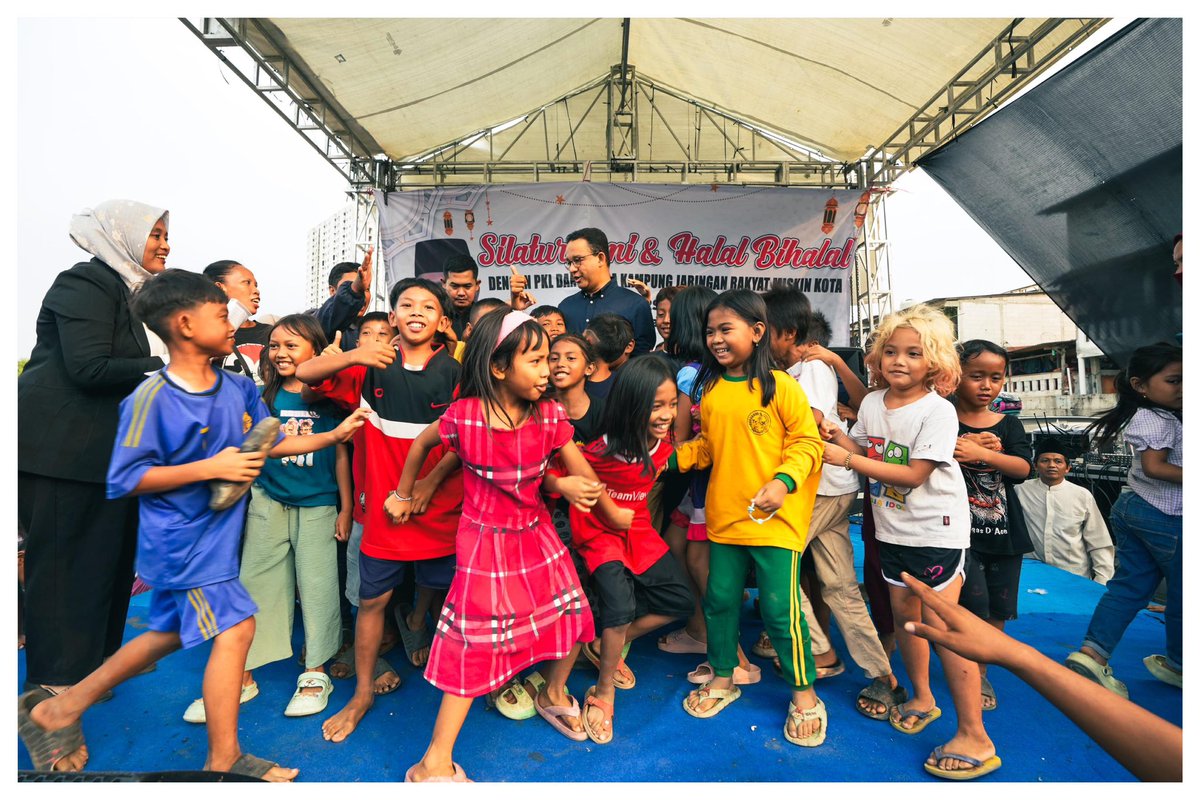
935	514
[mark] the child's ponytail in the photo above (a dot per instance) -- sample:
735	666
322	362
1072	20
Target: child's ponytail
1145	363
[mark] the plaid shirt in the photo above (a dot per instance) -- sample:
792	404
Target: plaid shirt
1154	429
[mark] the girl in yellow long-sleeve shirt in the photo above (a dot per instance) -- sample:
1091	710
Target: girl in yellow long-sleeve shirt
759	436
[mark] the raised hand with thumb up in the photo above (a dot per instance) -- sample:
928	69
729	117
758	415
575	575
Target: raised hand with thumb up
334	349
521	299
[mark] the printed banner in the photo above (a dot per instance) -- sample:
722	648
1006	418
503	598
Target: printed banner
718	235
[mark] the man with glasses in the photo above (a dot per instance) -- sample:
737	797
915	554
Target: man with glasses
586	259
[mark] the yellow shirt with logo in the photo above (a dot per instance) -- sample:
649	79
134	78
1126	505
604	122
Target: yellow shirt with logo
747	445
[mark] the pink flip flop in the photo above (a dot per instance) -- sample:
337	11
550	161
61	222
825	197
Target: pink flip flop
681	641
704	673
552	713
459	776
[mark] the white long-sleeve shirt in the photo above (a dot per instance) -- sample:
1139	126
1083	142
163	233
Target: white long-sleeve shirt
1066	529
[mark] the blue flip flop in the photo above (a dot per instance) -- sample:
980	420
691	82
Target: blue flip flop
978	768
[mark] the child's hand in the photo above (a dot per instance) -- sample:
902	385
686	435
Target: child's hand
341	525
579	491
835	455
989	440
363	279
422	493
231	464
848	414
334	349
771	496
828	429
373	354
826	356
518	283
968	450
961	631
345	431
623	519
639	287
397	510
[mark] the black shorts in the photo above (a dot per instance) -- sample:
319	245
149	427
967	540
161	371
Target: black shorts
990	591
932	566
380	575
623	597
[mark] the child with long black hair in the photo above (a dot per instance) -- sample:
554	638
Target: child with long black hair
757	432
515	599
639	584
994	455
1147	521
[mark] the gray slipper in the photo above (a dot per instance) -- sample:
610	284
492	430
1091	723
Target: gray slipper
46	748
252	766
985	689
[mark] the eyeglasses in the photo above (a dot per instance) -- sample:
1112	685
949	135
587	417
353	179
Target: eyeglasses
576	261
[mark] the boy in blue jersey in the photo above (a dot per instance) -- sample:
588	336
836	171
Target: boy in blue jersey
180	429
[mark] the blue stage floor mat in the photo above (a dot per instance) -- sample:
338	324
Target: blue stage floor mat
142	728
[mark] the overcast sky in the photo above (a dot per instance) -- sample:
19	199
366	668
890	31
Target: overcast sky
140	109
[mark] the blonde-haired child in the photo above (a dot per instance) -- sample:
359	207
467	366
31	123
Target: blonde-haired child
904	443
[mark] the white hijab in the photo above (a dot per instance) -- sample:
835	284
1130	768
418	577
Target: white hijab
115	232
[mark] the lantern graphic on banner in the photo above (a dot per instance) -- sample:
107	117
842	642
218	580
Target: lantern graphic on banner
448	222
469	218
830	215
860	210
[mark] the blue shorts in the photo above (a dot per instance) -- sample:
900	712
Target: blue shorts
380	575
199	614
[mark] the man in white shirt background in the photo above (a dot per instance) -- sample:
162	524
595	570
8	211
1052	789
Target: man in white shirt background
1064	522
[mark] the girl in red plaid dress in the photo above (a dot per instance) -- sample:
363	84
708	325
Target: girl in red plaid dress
515	600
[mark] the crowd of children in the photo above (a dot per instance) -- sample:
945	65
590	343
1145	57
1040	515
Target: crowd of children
516	496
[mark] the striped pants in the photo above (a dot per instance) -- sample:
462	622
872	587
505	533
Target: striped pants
779	601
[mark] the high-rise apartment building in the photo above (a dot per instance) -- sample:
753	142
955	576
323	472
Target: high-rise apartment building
337	239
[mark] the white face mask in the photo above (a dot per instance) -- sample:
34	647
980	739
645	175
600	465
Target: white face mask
238	314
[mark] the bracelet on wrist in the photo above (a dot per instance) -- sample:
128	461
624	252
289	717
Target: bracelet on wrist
847	464
396	495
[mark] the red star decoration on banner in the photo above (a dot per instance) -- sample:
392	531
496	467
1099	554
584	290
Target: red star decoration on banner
560	199
713	187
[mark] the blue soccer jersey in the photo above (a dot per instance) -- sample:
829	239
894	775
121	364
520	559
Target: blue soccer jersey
182	543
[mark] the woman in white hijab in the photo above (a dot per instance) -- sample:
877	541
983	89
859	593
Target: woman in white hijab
90	354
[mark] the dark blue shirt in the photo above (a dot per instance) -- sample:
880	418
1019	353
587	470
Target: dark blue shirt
580	308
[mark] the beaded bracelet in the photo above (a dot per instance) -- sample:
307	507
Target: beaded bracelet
396	495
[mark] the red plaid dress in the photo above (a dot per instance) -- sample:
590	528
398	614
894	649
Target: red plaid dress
515	599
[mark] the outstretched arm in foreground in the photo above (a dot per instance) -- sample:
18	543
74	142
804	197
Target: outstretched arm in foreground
1147	745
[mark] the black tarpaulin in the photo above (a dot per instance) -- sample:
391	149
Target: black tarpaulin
1081	181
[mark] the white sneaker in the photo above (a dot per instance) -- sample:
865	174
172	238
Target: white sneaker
195	712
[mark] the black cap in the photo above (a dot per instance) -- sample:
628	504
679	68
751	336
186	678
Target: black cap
1050	444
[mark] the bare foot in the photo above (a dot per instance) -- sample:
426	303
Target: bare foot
981	749
343	723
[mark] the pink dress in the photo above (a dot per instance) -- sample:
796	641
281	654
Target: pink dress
515	599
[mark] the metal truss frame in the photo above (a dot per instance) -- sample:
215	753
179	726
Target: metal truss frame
871	280
252	50
1008	63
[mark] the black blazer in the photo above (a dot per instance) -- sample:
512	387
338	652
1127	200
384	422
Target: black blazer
90	354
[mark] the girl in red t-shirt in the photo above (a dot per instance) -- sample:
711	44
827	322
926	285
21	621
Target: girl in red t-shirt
639	585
